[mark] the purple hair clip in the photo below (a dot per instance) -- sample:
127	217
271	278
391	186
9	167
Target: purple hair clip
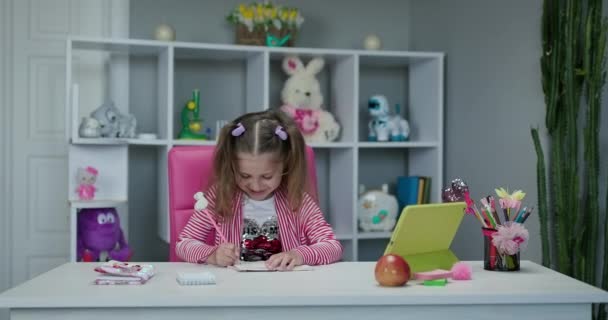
280	133
236	132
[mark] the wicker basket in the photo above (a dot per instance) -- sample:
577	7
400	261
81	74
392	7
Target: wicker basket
257	37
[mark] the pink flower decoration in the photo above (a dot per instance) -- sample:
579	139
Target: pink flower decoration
509	203
510	238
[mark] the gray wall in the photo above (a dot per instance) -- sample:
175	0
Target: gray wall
339	24
493	96
493	92
328	24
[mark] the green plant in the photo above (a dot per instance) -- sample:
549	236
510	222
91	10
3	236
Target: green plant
573	64
265	15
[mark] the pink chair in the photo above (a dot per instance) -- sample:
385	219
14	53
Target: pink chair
189	172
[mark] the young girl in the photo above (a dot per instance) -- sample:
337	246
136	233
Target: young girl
259	202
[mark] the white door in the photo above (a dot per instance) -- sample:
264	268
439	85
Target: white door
38	152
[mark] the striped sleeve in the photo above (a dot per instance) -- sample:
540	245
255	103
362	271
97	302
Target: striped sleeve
322	247
191	246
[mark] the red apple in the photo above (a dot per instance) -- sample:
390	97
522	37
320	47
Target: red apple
392	271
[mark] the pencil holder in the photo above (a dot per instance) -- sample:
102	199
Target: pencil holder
492	259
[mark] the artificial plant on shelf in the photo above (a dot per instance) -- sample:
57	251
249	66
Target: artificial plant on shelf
572	67
259	23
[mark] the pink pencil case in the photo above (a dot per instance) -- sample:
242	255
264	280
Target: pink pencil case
433	275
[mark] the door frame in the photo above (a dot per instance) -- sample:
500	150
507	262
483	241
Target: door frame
5	143
118	27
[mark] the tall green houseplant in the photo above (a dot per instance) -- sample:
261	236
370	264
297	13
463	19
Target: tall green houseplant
573	74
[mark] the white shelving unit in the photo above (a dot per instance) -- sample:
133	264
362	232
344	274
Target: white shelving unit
235	79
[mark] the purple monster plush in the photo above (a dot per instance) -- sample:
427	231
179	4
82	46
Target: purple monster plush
99	231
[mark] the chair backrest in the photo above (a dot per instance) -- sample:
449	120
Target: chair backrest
190	169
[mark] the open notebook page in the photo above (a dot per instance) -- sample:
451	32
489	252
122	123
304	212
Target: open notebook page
260	266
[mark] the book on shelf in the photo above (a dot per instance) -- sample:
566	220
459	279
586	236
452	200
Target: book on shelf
413	190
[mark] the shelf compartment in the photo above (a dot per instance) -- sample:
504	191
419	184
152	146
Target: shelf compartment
98	203
104	72
348	252
146	186
186	142
120	205
230	83
375	235
111	163
382	166
132	47
335	174
110	141
336	79
331	145
416	144
414	81
344	236
371	249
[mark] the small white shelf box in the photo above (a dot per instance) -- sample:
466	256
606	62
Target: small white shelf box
169	71
77	205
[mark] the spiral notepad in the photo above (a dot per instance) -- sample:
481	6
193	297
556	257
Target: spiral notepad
195	278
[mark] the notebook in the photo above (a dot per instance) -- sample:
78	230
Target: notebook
424	233
123	273
260	266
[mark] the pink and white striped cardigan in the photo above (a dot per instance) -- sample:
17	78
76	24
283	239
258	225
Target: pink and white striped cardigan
306	231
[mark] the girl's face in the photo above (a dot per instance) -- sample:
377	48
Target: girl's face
259	175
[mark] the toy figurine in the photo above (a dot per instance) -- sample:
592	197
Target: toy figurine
191	122
303	100
383	126
99	232
86	179
377	210
89	128
112	123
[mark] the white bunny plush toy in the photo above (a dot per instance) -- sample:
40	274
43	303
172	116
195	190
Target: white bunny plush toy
302	100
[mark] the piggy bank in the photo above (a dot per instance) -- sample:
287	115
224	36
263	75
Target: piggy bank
377	210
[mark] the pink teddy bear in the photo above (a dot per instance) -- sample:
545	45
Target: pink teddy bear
86	179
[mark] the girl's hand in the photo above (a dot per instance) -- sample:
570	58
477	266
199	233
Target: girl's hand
226	254
284	261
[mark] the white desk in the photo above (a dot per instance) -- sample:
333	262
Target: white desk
339	291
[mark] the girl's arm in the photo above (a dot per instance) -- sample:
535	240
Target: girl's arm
322	246
191	245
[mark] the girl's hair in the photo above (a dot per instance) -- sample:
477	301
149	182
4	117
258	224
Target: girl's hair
259	136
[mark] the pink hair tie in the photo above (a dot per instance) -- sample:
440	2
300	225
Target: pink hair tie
236	132
280	133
